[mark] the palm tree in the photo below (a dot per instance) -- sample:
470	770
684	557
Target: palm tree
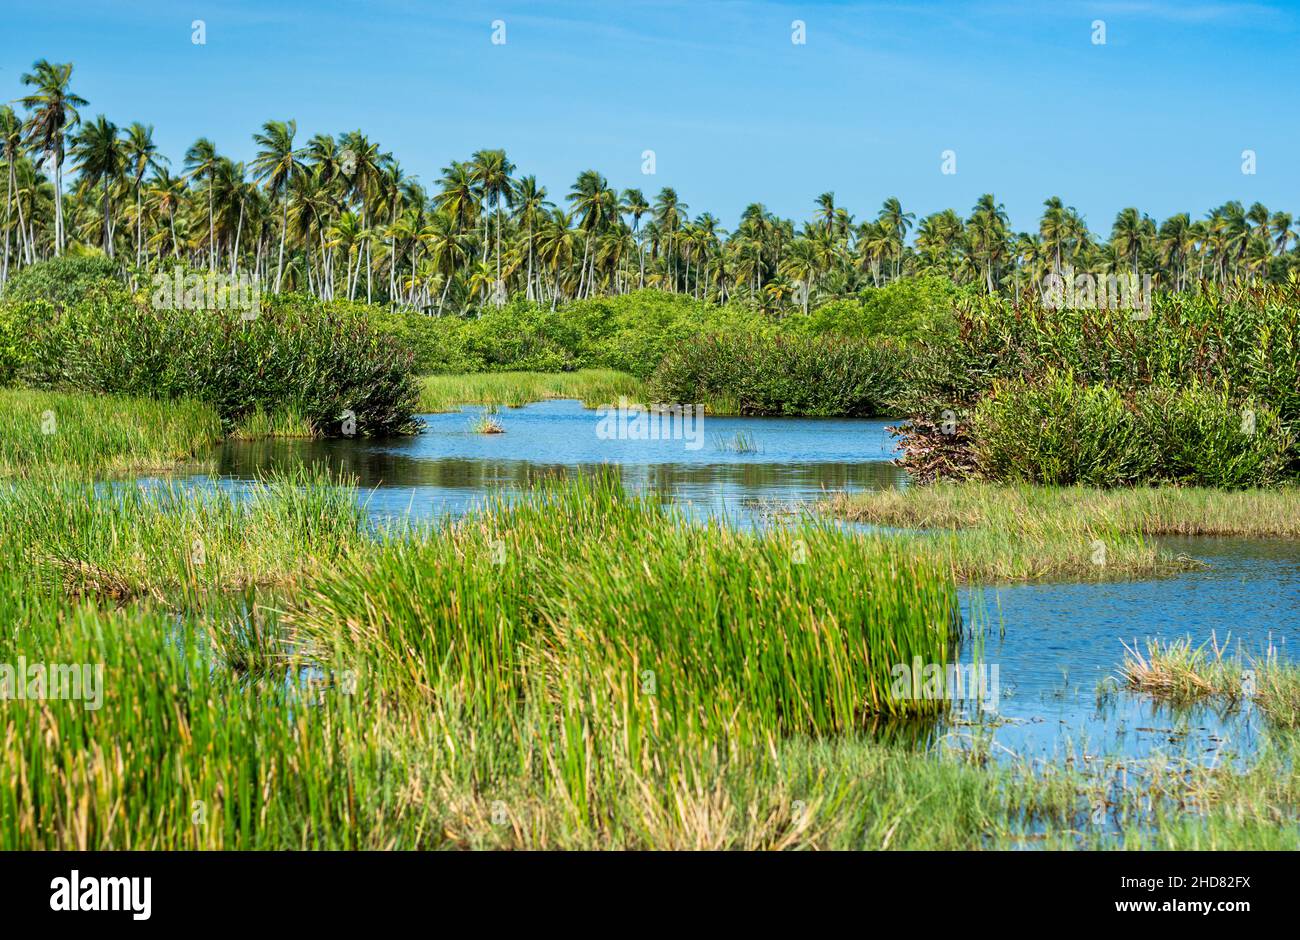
167	194
1280	224
634	204
896	223
530	205
668	213
595	204
141	155
11	136
986	231
491	173
201	160
53	110
275	164
100	156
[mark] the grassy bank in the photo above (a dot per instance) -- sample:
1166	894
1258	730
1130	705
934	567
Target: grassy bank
989	533
578	671
593	387
53	434
1141	511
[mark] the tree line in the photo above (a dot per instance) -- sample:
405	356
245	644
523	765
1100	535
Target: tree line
336	216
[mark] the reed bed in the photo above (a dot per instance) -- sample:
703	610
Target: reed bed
1179	672
1148	511
285	424
796	629
130	540
578	670
81	436
593	387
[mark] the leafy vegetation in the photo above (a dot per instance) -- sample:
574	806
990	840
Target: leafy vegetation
1208	382
307	362
781	375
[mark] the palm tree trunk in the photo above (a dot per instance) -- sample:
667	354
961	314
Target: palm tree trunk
212	229
58	206
284	228
234	253
108	222
9	212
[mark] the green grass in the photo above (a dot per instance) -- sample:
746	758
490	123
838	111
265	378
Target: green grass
580	670
739	443
168	540
284	424
994	532
82	435
593	387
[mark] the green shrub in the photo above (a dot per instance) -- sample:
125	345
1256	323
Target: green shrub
780	375
907	309
1205	439
1059	431
303	357
66	280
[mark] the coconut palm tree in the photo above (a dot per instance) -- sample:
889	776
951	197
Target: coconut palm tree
100	157
201	161
275	165
491	172
141	155
530	205
896	223
11	136
53	113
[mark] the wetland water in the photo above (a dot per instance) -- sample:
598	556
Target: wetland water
1054	644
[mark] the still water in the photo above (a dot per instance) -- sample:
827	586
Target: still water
1056	646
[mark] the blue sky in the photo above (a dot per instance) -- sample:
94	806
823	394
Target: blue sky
735	112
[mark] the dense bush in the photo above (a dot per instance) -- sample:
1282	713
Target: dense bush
299	357
1059	431
66	280
1245	343
908	309
780	375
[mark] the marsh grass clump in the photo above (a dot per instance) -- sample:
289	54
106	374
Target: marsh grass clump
486	422
81	436
670	624
165	539
285	424
593	387
742	442
1183	674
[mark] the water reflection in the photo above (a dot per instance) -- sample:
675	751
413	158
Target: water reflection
448	469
